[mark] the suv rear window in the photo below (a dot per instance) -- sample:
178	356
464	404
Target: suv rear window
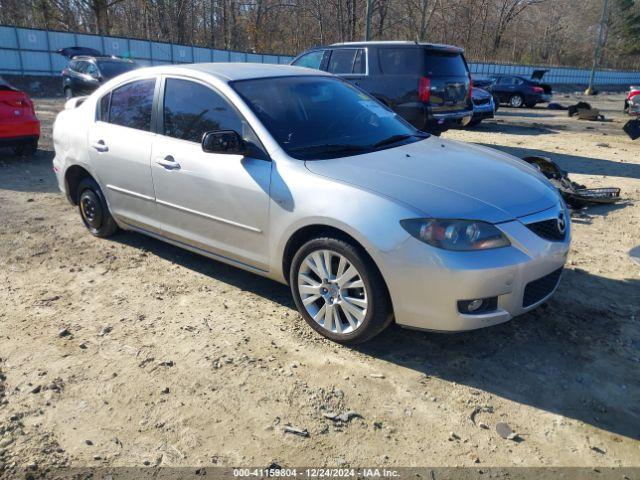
444	64
421	61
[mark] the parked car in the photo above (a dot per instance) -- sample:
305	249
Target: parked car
427	84
483	106
517	91
71	52
19	126
366	217
632	101
86	73
486	83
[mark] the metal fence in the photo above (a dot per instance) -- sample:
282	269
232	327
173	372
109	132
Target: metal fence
25	51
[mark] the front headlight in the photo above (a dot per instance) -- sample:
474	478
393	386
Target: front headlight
460	235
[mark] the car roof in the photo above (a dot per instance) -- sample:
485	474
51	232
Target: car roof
244	71
382	43
98	58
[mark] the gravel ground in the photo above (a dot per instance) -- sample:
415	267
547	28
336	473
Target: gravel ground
131	352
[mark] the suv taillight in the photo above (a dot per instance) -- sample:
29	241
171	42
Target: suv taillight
424	89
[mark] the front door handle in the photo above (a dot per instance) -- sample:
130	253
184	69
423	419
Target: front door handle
169	163
100	146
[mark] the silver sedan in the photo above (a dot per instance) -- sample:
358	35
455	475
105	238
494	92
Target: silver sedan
300	177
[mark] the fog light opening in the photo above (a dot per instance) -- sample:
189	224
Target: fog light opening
478	306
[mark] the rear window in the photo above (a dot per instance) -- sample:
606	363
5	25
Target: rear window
401	61
443	64
406	61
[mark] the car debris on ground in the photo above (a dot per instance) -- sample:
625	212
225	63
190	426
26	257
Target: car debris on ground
576	195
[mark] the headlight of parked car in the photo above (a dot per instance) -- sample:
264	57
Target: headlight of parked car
460	235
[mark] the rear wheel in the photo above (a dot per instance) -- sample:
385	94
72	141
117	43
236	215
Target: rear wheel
516	101
94	210
68	93
474	122
339	291
530	104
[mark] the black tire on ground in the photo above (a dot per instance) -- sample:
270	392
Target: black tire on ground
68	93
26	149
474	122
379	311
496	103
94	210
516	101
530	104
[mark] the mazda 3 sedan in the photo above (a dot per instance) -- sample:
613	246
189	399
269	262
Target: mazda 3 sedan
301	177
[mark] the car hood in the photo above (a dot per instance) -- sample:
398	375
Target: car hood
447	179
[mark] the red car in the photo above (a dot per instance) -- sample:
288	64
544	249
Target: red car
19	126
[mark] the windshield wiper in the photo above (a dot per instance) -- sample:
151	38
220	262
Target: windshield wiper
330	148
397	138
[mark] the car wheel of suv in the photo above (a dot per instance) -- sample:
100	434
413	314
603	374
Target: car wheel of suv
68	93
516	101
339	291
94	210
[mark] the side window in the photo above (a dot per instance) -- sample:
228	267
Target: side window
191	109
360	63
131	104
310	60
103	112
341	60
73	65
91	69
80	66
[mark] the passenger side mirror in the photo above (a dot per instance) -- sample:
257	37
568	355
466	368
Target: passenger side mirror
223	141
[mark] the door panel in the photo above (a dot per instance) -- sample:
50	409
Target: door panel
217	202
120	149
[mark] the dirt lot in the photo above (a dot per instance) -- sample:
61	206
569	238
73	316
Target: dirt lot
130	352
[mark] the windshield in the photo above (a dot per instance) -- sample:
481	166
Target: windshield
110	69
314	117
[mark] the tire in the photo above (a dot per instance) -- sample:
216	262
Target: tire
474	123
68	93
496	103
530	104
26	149
361	310
94	210
516	101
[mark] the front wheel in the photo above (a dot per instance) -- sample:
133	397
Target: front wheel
68	93
94	210
516	101
339	291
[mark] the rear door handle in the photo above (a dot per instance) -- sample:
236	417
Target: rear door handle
169	163
100	146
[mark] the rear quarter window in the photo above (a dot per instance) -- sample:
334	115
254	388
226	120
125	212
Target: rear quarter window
401	61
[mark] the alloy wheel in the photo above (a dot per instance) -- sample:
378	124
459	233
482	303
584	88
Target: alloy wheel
332	291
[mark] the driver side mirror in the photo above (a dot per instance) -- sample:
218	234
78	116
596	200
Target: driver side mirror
223	141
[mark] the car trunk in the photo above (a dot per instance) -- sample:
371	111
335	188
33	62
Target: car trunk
448	81
537	76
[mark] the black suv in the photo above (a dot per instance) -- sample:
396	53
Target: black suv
427	84
84	74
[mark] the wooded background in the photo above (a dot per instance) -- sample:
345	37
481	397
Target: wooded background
554	32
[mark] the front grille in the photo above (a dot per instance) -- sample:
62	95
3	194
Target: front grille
547	229
540	288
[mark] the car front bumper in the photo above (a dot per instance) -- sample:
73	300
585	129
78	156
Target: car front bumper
481	112
427	283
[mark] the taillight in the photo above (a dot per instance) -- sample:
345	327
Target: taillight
470	87
424	89
537	89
